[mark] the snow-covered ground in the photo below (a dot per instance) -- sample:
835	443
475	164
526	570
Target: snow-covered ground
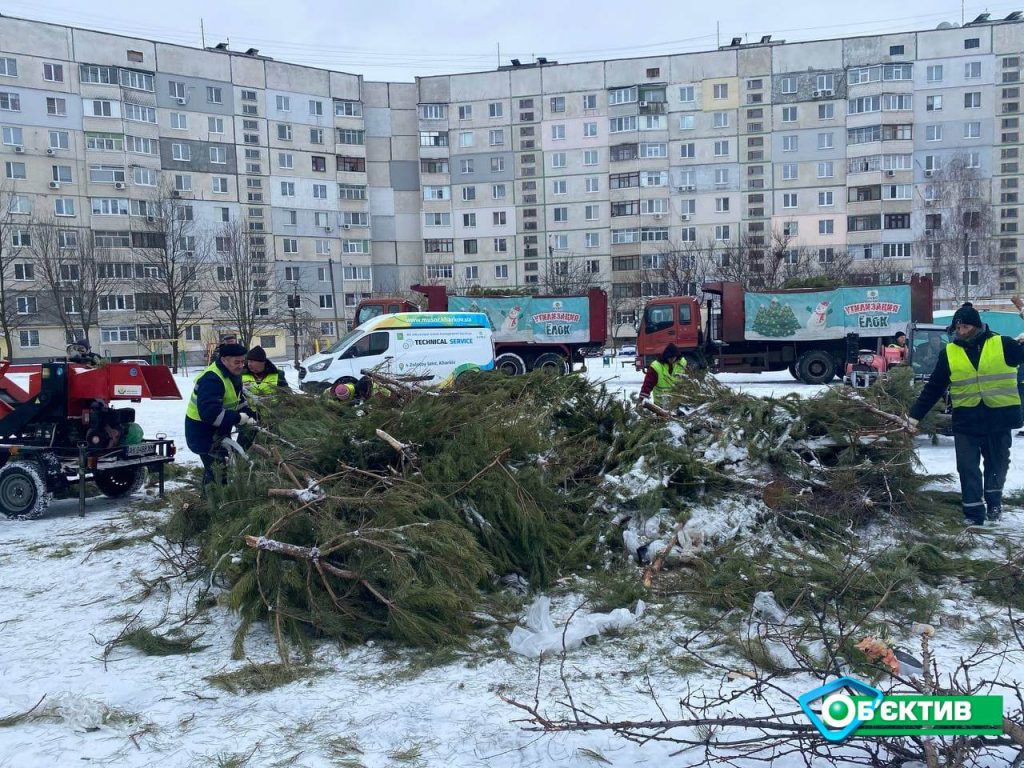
61	602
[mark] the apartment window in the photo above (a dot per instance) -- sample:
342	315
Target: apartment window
972	130
590	101
469	193
933	74
897	221
470	247
972	100
721	204
826	199
287	189
501	271
316	135
721	148
590	157
593	184
59	140
496	137
826	111
181	152
497	164
933	132
589	130
179	121
437	219
933	103
17	170
622	95
722	232
466	112
789	114
557	104
53	73
789	200
790	229
896	50
972	70
790	143
557	132
215	124
498	191
721	119
561	214
825	141
64	206
290	244
318	164
465	138
495	109
687	122
319	191
558	160
214	94
344	108
974	160
27	305
220	184
466	166
61	173
826	226
721	177
469	220
284	131
28	339
20	204
218	155
972	42
558	187
825	82
500	245
788	84
789	171
100	108
590	213
686	94
56	107
826	255
720	91
620	124
285	160
284	103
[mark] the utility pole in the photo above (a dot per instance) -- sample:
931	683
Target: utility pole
334	298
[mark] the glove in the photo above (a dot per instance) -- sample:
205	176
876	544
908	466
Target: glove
244	419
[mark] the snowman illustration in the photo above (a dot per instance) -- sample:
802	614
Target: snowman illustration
819	316
511	324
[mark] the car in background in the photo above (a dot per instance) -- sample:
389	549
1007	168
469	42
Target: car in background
135	362
628	350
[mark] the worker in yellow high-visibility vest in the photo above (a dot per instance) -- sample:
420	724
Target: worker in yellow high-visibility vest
660	378
980	369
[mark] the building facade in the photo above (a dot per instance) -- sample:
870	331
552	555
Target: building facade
809	152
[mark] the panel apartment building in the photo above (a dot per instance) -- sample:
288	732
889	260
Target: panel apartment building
496	178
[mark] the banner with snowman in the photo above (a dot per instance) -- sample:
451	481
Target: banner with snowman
874	311
542	320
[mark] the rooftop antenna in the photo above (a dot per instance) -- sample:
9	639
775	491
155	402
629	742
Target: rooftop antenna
202	31
961	13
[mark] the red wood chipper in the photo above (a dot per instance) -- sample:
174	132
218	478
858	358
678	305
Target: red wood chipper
57	428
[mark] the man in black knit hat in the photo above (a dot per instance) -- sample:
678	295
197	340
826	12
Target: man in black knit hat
980	369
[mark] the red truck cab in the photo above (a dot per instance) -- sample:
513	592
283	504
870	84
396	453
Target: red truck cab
370	308
671	320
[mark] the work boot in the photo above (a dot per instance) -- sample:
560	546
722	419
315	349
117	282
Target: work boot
995	511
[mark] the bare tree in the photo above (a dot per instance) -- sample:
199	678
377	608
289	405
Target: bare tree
16	299
565	273
67	267
172	263
677	271
957	241
294	314
246	281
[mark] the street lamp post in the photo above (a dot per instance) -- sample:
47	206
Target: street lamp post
293	304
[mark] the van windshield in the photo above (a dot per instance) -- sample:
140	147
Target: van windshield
343	341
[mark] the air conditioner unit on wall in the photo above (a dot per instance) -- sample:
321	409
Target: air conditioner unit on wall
54	185
929	172
182	100
51	151
890	174
19	149
118	185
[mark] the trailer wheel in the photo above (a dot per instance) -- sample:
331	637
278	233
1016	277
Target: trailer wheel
510	364
23	491
816	367
117	483
551	362
792	371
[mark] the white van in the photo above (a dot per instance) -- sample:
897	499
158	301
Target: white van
438	345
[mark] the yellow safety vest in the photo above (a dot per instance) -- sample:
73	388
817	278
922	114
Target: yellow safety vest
231	398
993	382
261	387
666	376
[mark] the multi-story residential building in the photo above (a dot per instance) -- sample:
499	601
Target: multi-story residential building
812	152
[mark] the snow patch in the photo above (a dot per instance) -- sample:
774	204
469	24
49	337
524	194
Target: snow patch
540	636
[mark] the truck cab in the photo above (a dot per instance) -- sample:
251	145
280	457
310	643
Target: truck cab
371	308
671	320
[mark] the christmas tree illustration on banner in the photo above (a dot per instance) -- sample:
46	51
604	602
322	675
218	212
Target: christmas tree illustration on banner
775	320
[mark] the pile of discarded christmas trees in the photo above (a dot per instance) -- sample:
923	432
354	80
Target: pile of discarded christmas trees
392	518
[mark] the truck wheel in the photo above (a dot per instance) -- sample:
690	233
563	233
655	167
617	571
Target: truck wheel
510	364
23	491
816	367
551	362
117	483
792	371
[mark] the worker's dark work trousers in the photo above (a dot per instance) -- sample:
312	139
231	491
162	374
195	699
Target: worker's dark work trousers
977	489
215	465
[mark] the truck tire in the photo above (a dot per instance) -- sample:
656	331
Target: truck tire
23	492
551	362
816	367
792	371
117	483
510	364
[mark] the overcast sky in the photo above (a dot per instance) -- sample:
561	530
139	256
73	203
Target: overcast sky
399	39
